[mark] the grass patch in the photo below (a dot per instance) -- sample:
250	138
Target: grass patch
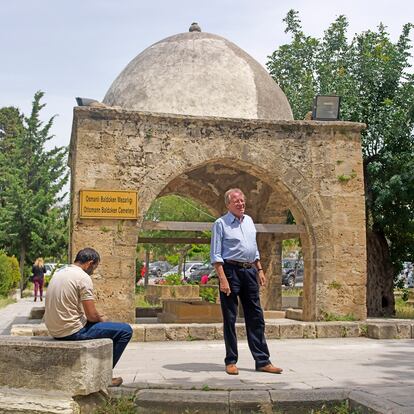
329	317
292	292
402	310
140	301
6	301
122	405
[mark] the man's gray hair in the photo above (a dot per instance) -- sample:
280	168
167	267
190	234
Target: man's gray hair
230	192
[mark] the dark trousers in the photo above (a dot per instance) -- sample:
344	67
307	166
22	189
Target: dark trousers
243	283
38	286
120	333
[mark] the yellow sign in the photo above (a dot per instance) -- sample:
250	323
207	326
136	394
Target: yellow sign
103	204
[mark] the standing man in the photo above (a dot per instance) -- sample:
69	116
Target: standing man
236	259
70	312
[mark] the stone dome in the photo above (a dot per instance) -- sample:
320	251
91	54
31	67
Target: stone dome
198	74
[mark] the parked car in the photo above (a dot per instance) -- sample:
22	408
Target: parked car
292	272
158	268
188	268
205	269
50	267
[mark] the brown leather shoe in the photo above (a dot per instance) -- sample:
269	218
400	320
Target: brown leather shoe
116	382
231	369
271	369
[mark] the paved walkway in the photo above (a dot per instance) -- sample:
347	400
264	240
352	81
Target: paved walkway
17	313
380	371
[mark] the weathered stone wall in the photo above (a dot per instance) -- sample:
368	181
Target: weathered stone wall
312	168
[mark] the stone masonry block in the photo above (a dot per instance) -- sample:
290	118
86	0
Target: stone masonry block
272	331
309	330
218	334
329	330
37	312
180	401
403	331
176	333
291	331
382	331
21	330
73	367
251	402
205	332
241	331
21	401
138	333
154	333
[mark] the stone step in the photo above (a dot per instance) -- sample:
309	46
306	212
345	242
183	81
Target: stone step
275	329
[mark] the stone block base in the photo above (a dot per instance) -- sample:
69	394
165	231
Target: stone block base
37	312
295	314
20	401
274	314
190	312
71	367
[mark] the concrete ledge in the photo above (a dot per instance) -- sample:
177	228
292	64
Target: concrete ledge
72	367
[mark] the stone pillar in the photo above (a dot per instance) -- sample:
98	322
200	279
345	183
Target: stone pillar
270	249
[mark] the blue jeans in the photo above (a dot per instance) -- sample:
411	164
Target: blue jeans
120	333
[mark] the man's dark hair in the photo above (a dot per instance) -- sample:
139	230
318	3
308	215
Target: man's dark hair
87	254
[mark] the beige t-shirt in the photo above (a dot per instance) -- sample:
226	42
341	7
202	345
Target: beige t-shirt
64	314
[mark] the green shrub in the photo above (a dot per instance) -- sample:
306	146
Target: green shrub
209	294
173	280
9	273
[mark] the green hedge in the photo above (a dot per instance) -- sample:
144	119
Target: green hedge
9	273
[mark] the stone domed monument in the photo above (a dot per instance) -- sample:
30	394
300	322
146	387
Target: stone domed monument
199	74
194	115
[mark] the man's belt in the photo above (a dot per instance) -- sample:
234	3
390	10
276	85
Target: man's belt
245	265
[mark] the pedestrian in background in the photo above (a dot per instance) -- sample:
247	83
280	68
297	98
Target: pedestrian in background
38	270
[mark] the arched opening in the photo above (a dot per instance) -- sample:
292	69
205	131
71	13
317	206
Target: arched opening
268	202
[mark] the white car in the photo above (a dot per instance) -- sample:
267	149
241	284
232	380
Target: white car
187	269
50	267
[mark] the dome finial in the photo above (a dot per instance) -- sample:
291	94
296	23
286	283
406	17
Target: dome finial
194	27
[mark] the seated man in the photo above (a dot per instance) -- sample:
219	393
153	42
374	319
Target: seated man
70	312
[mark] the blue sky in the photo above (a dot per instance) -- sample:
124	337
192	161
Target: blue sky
78	47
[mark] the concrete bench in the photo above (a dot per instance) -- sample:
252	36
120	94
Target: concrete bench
73	368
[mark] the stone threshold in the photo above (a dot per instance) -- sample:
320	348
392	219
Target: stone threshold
295	401
275	329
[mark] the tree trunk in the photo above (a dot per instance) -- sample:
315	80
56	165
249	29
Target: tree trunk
380	276
22	259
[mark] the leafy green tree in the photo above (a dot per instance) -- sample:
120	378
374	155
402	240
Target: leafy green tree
32	223
371	74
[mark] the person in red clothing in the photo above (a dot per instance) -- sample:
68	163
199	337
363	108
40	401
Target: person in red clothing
38	270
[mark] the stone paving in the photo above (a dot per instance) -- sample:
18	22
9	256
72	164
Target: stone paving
380	370
17	313
376	373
